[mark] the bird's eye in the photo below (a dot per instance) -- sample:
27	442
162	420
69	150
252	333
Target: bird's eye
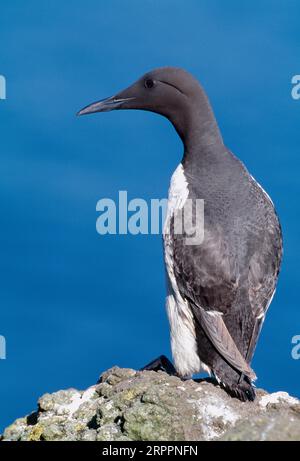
149	83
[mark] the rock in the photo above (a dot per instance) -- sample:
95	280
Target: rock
128	405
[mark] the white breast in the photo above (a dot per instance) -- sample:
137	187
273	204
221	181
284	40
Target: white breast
183	337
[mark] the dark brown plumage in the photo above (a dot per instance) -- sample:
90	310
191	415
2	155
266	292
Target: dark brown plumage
219	290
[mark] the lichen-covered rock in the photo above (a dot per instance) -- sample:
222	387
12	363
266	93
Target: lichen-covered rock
145	405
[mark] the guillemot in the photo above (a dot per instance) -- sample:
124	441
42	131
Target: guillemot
219	290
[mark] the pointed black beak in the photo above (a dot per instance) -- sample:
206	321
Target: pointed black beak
104	105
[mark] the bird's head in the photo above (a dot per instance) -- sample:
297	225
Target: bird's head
159	90
168	91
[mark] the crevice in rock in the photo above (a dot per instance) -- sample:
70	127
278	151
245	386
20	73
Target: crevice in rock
32	419
93	423
120	421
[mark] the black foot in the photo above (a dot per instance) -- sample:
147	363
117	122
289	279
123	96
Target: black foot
243	391
162	363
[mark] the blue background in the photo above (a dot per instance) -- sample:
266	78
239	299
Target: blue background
74	303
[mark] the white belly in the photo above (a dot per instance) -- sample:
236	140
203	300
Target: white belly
183	337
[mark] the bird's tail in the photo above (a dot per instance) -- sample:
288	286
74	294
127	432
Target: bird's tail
232	379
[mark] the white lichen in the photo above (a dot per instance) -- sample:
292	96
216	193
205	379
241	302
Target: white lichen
77	399
211	412
277	397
